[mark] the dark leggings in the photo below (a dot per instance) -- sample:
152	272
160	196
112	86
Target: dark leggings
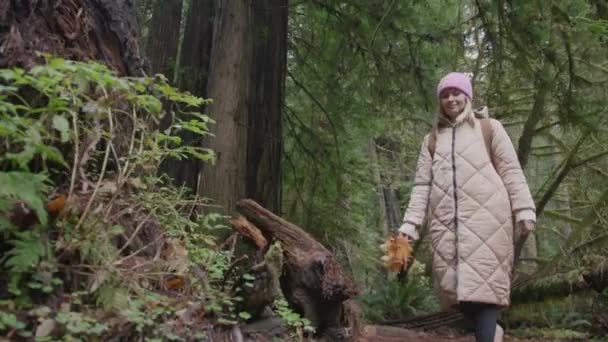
484	316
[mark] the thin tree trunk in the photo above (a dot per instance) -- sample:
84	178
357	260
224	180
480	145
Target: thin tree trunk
543	85
382	210
164	36
393	208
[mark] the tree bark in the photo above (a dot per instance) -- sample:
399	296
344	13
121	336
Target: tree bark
196	47
385	149
382	209
192	75
102	30
543	86
246	84
601	9
250	231
229	88
265	145
163	39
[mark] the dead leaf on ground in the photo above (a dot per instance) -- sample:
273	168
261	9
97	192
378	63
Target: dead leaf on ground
56	205
174	283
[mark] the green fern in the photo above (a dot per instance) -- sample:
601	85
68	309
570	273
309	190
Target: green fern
24	186
28	250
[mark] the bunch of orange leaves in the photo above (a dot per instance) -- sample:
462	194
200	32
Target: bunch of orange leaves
397	251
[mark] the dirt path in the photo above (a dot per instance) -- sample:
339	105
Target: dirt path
379	333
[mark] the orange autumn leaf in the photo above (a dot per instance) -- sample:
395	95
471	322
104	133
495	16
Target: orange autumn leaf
56	205
175	283
397	250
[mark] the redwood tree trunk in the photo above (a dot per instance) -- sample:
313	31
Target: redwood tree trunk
163	39
196	47
266	106
229	87
246	84
192	75
102	30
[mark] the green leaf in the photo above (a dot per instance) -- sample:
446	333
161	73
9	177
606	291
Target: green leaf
244	315
27	187
53	154
22	158
27	252
62	125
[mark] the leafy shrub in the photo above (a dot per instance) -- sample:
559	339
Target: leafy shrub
84	216
392	299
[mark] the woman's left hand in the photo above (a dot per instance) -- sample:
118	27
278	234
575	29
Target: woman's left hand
526	226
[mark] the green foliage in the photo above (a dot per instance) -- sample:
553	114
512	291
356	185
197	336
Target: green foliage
9	320
391	299
78	325
26	187
65	110
28	250
291	318
558	334
354	124
574	314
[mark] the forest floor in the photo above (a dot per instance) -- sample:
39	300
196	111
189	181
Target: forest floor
374	333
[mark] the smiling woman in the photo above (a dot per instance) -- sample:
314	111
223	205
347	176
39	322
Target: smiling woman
453	102
470	190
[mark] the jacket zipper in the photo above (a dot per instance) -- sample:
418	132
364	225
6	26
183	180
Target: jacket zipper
455	192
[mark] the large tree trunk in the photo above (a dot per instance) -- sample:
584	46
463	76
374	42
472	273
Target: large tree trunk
234	52
246	84
163	38
103	30
196	47
229	88
266	106
192	74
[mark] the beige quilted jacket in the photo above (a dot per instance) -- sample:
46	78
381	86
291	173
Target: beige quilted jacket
470	204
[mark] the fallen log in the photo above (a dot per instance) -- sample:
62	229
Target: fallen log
312	280
250	231
538	288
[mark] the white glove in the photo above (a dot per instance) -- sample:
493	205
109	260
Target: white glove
526	226
409	230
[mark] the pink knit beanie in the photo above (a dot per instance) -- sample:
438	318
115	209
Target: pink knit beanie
456	80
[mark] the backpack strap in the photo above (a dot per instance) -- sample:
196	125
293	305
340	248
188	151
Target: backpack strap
487	132
432	142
